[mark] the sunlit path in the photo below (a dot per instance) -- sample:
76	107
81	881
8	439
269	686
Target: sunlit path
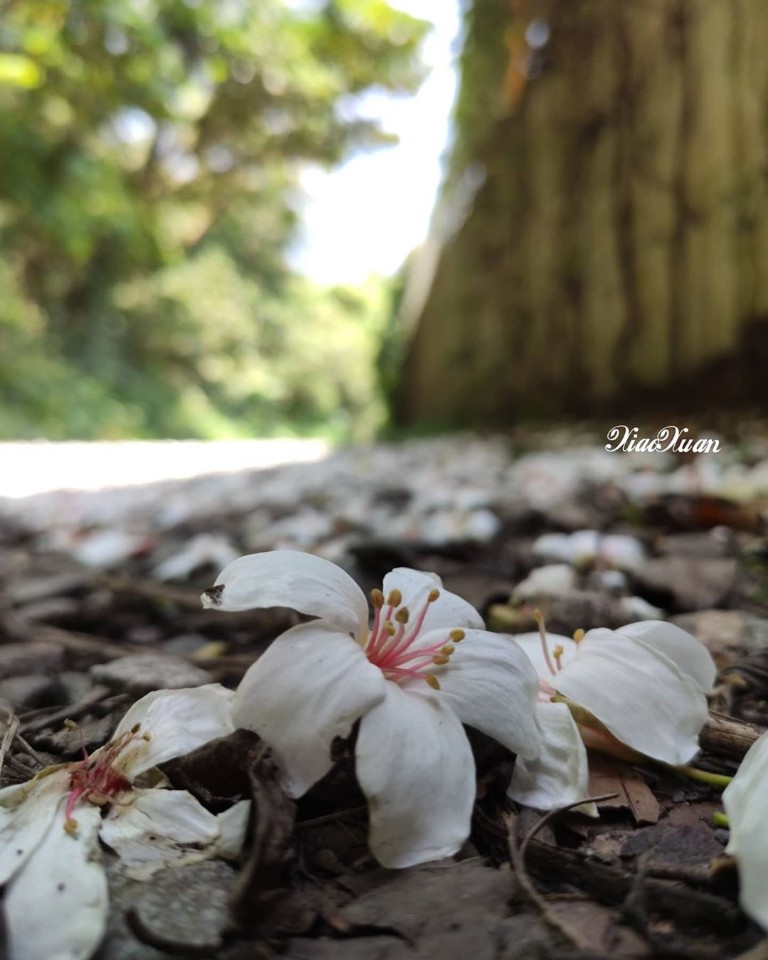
37	467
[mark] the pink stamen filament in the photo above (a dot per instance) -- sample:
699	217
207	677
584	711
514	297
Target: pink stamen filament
390	644
95	778
379	634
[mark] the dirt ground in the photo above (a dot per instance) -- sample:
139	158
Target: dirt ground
99	603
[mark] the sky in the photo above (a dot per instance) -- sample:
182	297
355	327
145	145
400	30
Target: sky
366	216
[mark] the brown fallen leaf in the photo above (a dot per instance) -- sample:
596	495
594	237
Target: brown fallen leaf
612	776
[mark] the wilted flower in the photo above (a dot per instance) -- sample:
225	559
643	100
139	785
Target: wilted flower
642	686
423	667
746	800
56	900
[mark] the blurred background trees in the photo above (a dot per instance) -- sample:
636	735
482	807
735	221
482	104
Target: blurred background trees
604	231
149	158
601	242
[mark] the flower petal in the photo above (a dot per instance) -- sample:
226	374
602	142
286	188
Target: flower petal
448	611
416	767
745	800
752	773
32	808
559	775
233	826
491	684
688	654
56	906
530	643
289	578
158	826
637	693
309	686
177	721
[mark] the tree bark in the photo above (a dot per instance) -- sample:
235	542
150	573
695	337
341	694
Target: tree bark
617	247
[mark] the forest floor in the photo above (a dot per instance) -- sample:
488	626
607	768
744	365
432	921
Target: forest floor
99	603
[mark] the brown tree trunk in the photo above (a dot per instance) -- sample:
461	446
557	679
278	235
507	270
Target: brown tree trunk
618	243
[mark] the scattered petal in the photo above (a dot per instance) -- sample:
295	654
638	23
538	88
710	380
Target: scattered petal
486	670
745	800
177	722
448	611
158	826
688	654
288	578
32	808
416	767
638	694
559	775
56	905
309	687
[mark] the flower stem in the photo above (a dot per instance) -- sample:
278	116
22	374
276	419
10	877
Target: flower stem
704	776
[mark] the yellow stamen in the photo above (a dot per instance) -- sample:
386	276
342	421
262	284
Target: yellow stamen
557	652
440	660
395	598
389	628
433	595
70	827
447	650
402	615
578	635
432	681
377	598
456	635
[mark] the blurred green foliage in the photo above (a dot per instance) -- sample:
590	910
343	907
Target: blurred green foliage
149	159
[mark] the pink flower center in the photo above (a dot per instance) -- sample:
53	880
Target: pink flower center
392	643
96	779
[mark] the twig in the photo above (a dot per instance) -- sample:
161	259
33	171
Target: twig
517	855
11	729
330	817
96	697
150	590
727	736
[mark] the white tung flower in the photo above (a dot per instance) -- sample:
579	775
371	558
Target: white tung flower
425	666
56	898
643	685
746	800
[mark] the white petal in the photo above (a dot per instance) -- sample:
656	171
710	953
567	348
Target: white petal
233	824
745	800
491	684
56	905
560	773
415	765
689	655
177	721
157	826
530	643
752	773
34	806
447	611
638	694
288	578
309	686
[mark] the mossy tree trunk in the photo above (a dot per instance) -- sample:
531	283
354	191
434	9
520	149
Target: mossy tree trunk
618	242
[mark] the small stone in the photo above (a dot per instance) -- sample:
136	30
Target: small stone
145	672
32	691
184	909
687	583
18	659
185	645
